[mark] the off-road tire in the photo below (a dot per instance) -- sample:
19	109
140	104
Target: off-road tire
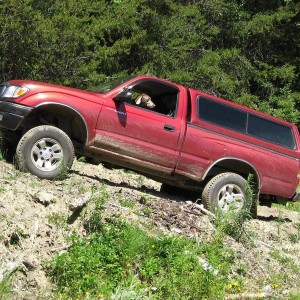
215	189
41	144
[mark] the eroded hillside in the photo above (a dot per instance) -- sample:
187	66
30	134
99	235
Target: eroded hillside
37	216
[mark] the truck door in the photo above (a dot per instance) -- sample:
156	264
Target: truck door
146	134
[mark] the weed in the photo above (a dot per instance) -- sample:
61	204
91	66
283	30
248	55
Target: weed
293	206
146	199
57	219
242	270
121	261
128	171
232	223
127	203
94	222
279	257
140	179
295	237
12	174
36	184
81	159
294	296
146	211
5	289
234	285
17	236
64	171
2	189
75	185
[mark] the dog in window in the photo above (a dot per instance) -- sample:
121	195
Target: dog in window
143	100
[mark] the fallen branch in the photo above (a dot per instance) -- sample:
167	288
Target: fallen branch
192	212
118	206
58	249
204	210
247	296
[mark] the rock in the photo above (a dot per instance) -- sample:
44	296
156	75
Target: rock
268	291
176	230
80	201
44	198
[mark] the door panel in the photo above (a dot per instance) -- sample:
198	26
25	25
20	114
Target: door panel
139	133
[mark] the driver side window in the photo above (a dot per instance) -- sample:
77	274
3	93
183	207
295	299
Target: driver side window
156	97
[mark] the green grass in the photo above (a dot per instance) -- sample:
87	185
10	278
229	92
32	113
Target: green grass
121	256
5	289
118	260
293	206
127	203
59	220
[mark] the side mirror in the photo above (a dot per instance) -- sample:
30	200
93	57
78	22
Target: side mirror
124	96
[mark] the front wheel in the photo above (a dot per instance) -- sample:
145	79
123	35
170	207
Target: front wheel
45	151
225	192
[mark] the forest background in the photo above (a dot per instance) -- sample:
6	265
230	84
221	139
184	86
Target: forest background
246	50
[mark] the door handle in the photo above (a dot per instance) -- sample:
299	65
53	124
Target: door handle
169	128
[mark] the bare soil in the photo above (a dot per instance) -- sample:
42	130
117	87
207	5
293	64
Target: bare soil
36	219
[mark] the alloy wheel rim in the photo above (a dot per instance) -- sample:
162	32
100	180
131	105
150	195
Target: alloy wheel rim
231	197
46	154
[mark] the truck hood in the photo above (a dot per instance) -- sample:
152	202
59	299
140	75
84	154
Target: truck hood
36	87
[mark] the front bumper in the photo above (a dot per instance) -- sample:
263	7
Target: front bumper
12	114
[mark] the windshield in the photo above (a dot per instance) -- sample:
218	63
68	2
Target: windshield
110	83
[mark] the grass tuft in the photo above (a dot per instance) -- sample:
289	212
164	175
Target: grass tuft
5	289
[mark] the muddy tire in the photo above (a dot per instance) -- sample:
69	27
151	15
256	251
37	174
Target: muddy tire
45	151
225	192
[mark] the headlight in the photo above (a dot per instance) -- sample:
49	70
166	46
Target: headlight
15	91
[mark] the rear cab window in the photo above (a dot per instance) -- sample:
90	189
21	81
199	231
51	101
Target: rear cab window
242	121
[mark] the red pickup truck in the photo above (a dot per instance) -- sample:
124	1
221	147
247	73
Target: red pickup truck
185	138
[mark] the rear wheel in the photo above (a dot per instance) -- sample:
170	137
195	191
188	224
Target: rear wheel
225	192
45	151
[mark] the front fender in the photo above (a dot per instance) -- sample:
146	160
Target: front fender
87	110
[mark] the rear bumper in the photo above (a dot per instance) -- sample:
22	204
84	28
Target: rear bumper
296	197
12	114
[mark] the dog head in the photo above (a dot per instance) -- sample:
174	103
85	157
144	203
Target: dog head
144	100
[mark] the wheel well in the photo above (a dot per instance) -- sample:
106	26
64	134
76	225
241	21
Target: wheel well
62	117
237	166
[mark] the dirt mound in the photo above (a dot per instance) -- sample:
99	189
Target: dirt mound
37	216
